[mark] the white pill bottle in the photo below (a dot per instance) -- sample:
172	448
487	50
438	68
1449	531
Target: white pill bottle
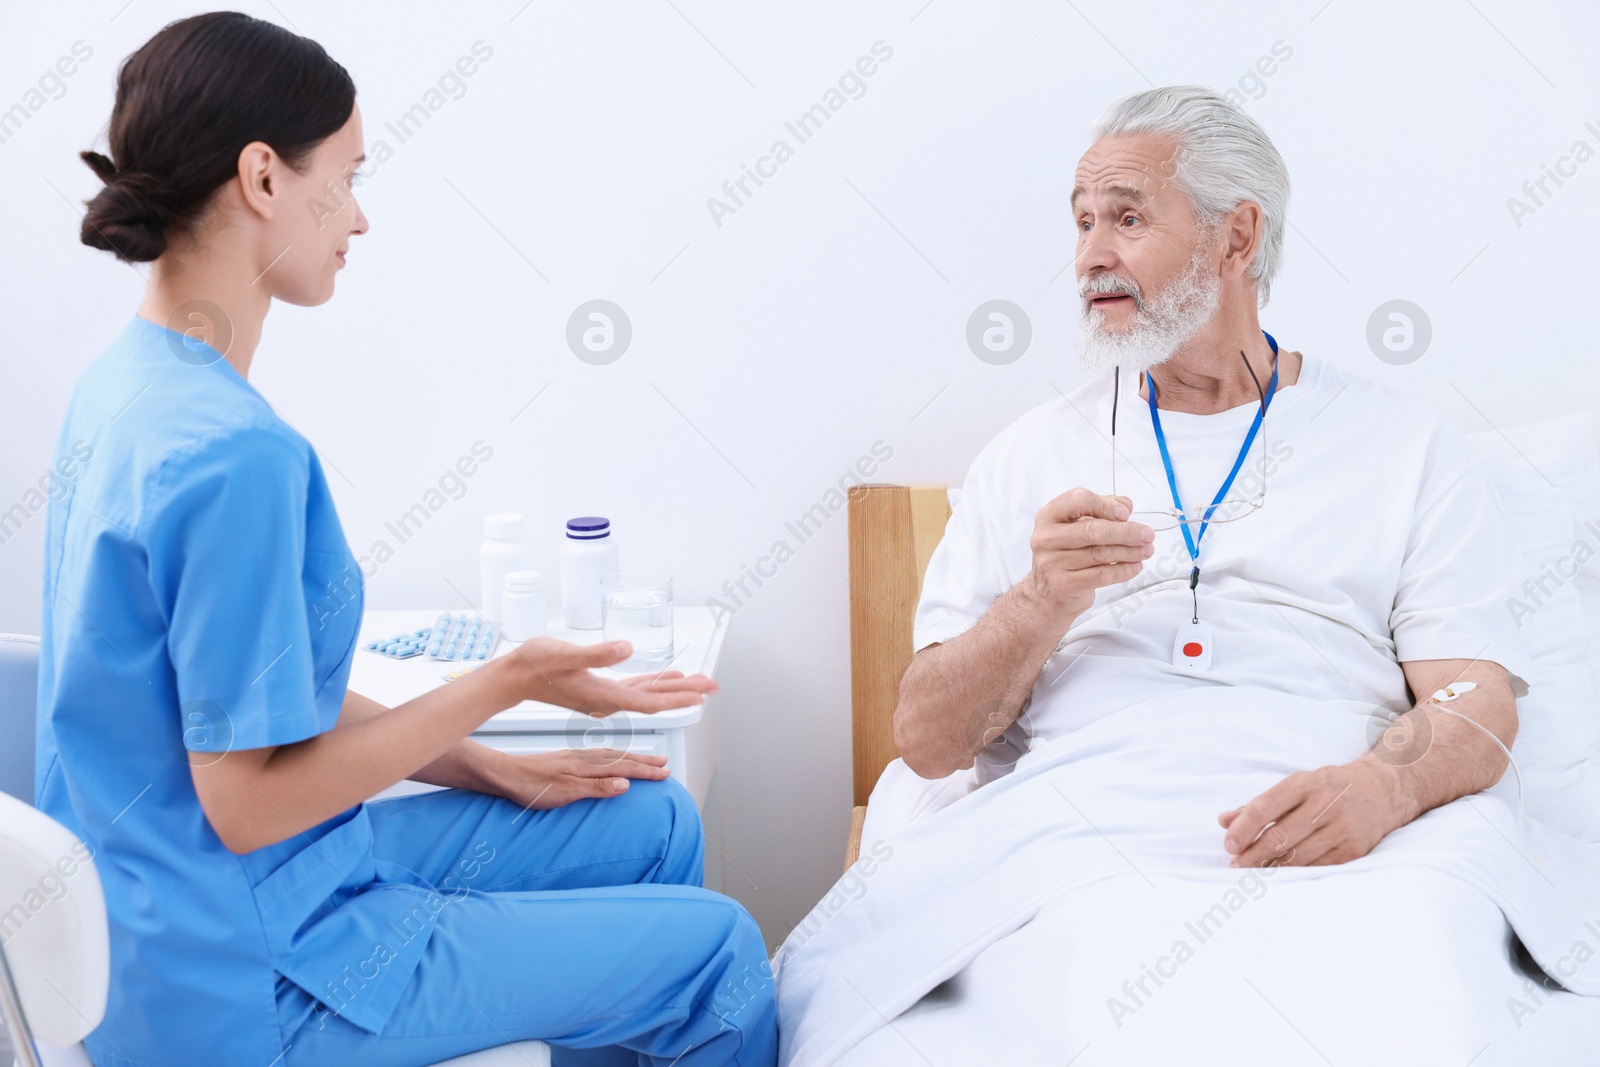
522	606
588	554
505	549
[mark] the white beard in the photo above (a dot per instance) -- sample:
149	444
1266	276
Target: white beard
1180	309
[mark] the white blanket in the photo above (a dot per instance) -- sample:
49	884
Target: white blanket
1399	967
1131	801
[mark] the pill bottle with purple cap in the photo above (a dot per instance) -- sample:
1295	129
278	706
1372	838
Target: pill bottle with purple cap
588	554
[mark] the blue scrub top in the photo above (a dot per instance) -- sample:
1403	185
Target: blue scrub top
200	596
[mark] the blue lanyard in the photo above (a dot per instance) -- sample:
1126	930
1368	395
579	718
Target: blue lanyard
1192	540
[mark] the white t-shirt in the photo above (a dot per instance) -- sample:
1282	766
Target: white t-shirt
1380	541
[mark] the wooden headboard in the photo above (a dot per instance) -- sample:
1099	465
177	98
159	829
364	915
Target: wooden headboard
893	532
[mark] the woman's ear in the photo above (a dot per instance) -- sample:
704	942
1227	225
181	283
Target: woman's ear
258	166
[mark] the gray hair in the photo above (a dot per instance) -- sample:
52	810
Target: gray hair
1222	158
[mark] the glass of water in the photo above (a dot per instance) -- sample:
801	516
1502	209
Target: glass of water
637	607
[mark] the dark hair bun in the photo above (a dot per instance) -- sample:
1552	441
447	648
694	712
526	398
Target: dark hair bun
130	216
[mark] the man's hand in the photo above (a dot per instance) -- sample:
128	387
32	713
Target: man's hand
555	779
1081	542
1427	757
1313	818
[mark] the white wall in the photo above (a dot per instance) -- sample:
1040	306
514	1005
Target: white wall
829	312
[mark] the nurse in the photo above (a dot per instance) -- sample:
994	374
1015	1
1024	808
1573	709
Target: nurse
200	614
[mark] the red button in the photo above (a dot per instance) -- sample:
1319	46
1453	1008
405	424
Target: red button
1192	649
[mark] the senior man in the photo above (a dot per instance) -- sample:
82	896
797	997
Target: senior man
1223	582
1368	565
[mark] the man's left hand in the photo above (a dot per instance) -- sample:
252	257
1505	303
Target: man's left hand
1330	815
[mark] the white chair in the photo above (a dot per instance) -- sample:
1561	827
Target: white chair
55	960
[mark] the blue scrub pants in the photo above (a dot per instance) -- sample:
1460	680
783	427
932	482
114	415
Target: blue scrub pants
586	926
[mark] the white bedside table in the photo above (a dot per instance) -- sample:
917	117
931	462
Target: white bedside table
682	735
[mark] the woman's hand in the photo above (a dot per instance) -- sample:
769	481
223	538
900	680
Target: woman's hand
555	779
557	672
260	796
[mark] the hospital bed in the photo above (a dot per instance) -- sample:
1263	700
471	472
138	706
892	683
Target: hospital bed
1388	967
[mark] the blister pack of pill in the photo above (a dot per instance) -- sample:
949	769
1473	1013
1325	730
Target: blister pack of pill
462	636
455	637
401	646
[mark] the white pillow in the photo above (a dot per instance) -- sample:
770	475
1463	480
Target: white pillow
1548	477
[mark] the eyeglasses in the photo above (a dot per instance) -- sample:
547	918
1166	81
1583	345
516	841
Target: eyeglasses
1230	509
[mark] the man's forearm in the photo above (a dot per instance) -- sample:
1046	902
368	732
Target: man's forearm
958	696
1437	757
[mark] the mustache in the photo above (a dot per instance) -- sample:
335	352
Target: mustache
1101	284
